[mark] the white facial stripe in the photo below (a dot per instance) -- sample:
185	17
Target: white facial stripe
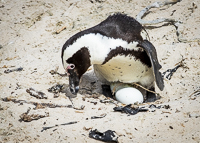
99	46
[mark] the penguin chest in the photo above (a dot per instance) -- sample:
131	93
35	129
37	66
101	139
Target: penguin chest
125	69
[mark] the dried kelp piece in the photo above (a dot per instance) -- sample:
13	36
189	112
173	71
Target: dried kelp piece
110	100
17	69
46	128
159	107
63	88
152	107
43	105
107	136
50	105
170	72
37	94
56	88
132	110
145	11
129	109
38	105
52	72
165	106
97	117
28	118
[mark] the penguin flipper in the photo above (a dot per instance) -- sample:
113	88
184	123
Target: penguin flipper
151	52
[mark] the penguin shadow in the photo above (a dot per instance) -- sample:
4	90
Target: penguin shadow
91	87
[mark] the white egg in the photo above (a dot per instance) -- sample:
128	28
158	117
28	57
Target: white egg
129	95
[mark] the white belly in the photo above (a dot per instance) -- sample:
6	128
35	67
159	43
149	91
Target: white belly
125	69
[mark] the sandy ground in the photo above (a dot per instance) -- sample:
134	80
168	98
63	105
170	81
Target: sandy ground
28	40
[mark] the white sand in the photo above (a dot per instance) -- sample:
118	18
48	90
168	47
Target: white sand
26	34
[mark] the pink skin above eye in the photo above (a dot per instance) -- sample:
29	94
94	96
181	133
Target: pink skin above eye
70	66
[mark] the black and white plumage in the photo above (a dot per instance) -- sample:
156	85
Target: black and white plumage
118	49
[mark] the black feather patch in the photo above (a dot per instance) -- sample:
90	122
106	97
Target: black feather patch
139	55
81	60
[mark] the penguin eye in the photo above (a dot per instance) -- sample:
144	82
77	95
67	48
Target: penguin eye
72	66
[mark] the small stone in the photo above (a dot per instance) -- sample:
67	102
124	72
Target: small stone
171	127
194	114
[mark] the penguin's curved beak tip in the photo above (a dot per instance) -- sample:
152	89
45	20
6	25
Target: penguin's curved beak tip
74	90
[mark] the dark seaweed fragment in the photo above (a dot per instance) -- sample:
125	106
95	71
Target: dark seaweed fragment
37	94
17	69
107	136
69	123
128	109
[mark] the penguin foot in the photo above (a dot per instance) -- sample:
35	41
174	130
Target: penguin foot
107	91
151	97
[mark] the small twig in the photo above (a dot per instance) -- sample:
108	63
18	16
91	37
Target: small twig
134	85
194	92
46	128
166	112
145	88
38	105
59	30
28	118
97	117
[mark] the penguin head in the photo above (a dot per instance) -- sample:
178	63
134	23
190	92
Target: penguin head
76	65
73	78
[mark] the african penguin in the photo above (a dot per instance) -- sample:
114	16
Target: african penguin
119	50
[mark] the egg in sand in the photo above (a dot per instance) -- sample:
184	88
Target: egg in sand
126	94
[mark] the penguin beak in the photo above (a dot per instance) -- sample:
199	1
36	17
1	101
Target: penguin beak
73	81
74	90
